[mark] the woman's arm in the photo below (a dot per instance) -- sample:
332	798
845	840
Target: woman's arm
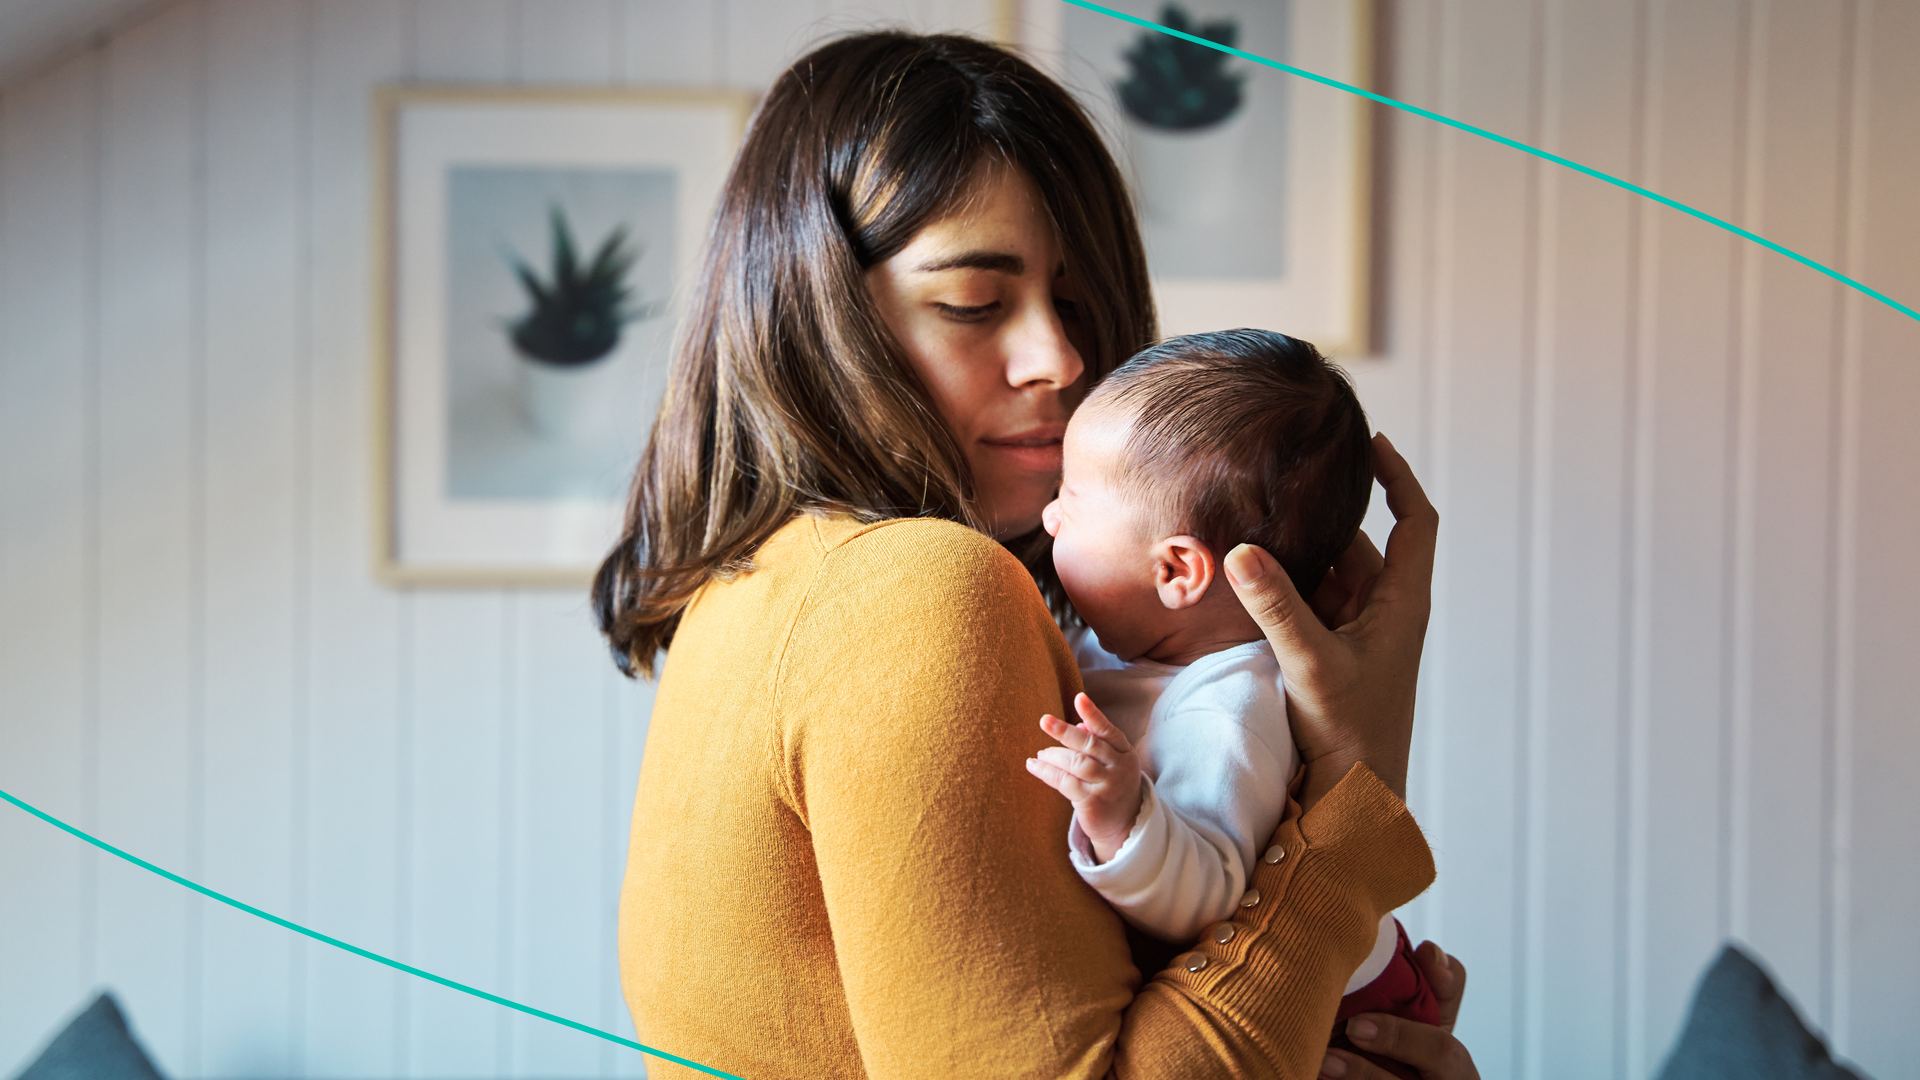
965	942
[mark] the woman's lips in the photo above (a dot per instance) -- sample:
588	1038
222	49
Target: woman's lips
1038	450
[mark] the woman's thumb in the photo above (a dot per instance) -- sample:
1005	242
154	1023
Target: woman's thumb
1268	594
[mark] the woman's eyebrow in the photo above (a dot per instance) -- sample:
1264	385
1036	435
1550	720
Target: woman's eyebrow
1001	261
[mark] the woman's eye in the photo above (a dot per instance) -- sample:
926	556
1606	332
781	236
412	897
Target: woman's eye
964	313
1068	309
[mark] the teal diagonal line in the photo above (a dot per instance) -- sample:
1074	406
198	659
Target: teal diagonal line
355	949
1470	129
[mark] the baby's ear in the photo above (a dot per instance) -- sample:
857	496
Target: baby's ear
1183	568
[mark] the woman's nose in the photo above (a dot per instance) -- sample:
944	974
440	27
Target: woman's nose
1039	352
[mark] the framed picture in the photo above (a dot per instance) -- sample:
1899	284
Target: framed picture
1254	186
533	251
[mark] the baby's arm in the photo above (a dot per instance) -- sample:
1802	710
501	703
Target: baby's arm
1096	768
1187	864
1176	856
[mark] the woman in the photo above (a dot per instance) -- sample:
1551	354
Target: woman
922	258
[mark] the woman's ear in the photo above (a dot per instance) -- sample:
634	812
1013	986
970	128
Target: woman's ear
1183	567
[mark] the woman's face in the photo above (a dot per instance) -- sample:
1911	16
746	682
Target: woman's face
982	303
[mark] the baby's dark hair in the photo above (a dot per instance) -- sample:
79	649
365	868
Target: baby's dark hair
1246	436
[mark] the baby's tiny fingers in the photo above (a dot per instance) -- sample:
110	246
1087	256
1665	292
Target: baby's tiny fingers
1077	738
1059	781
1074	763
1097	722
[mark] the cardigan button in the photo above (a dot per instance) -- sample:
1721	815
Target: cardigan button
1274	854
1223	933
1252	898
1194	961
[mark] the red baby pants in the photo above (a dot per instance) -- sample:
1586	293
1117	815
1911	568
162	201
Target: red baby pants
1401	990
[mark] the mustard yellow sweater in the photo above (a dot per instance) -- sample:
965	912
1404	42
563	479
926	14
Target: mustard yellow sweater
840	867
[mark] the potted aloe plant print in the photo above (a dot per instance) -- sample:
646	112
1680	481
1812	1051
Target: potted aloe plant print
1183	99
574	323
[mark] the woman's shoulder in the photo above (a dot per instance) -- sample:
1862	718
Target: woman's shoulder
926	559
919	620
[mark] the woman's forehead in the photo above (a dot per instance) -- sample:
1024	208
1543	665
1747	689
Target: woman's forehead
999	226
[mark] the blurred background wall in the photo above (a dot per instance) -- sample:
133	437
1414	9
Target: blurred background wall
1670	693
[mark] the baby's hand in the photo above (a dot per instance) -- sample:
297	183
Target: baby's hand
1096	769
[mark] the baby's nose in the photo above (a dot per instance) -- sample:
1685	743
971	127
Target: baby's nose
1050	518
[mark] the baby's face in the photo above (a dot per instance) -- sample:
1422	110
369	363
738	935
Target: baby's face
1103	539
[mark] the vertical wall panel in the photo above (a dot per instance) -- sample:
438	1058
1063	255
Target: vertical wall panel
1883	810
48	268
1482	385
761	37
461	663
970	16
465	40
457	873
253	557
559	715
1581	425
564	917
569	41
670	42
1677	915
151	506
1780	845
357	734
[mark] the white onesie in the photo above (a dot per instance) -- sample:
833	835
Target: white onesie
1217	757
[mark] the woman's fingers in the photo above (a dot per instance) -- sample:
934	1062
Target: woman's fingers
1448	977
1268	594
1408	563
1348	584
1361	560
1341	1065
1433	1051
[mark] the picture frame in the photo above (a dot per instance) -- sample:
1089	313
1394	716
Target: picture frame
533	249
1259	217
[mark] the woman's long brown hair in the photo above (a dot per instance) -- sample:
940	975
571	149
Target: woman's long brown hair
787	393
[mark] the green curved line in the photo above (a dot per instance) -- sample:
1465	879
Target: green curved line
1449	121
355	949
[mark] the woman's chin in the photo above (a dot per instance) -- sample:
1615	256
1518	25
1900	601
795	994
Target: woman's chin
1012	501
1011	519
1004	528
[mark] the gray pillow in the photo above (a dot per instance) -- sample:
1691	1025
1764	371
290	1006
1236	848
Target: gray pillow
95	1046
1740	1027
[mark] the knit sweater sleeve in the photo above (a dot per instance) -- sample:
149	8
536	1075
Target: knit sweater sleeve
907	698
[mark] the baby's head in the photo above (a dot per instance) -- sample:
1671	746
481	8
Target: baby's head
1196	445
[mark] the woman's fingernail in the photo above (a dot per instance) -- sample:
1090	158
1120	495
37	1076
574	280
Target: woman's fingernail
1362	1030
1333	1066
1243	566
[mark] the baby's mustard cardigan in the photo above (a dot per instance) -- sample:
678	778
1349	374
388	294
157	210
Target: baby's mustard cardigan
840	867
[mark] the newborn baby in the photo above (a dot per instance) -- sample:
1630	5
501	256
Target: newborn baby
1196	445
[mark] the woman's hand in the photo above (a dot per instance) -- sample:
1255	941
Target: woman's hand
1350	689
1432	1050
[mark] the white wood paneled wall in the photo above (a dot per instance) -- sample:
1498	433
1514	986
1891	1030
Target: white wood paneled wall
1670	695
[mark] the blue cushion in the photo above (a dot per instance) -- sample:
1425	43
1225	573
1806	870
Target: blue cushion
95	1046
1740	1027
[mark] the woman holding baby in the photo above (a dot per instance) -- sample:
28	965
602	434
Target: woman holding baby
839	865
